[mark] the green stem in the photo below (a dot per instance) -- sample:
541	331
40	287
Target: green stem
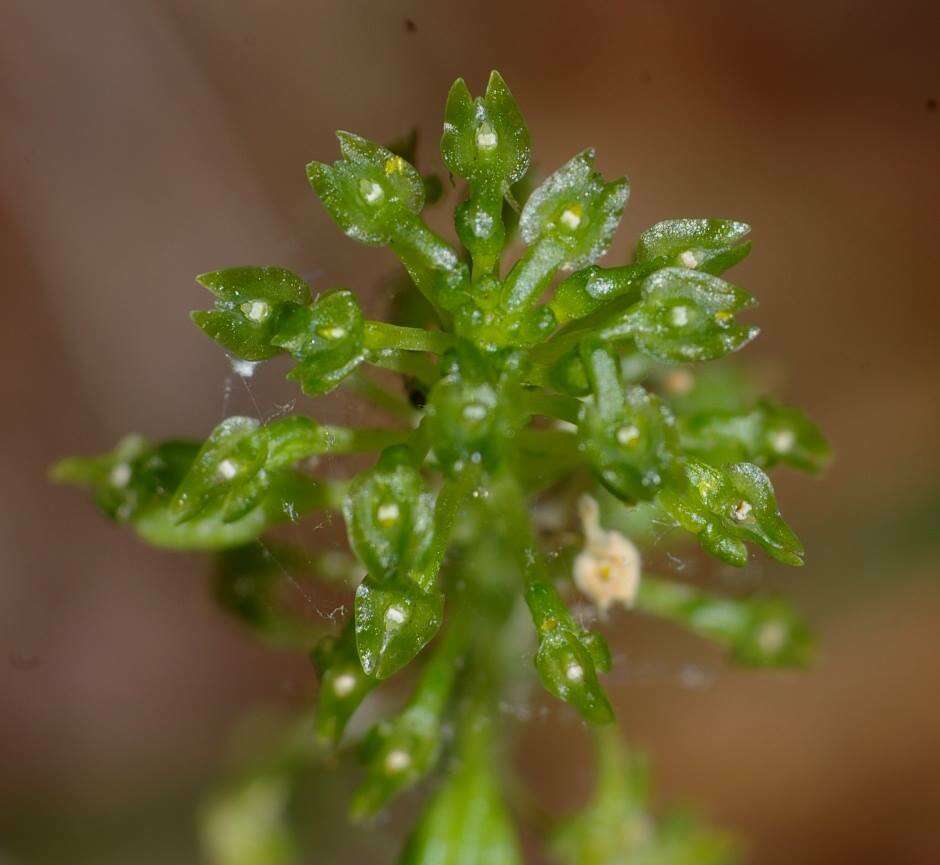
431	262
553	405
380	336
344	440
407	363
392	404
531	275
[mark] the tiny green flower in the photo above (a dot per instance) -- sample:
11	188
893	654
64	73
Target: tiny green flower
568	657
388	513
395	619
575	210
327	339
767	434
709	245
685	315
725	507
627	435
251	303
367	190
343	683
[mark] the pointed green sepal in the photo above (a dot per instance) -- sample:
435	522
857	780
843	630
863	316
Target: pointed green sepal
223	471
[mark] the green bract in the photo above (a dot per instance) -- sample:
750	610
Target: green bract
507	393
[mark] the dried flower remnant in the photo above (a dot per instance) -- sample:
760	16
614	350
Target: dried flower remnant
607	570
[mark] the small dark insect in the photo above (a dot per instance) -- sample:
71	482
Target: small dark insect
416	395
410	26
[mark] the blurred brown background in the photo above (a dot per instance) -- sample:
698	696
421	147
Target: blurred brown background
144	142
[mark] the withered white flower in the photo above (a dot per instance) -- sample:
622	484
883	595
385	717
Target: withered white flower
607	570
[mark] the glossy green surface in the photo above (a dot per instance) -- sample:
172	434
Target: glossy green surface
509	389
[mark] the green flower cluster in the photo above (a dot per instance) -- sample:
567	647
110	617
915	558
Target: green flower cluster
539	380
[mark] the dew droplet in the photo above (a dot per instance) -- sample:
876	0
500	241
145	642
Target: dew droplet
244	368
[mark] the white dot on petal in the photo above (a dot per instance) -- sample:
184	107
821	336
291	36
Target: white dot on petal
256	310
120	475
782	440
396	615
228	469
574	672
388	513
397	760
344	684
627	435
680	316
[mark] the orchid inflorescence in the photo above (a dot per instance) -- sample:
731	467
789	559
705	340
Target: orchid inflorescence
553	379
